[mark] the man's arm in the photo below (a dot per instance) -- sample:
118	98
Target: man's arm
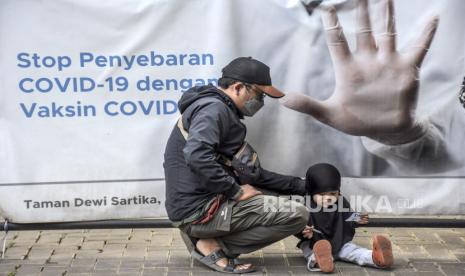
200	151
287	185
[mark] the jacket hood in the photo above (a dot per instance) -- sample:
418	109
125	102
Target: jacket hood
199	92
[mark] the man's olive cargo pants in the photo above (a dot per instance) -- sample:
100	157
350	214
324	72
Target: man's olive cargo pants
246	226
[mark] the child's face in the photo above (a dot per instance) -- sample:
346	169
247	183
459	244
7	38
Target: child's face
326	199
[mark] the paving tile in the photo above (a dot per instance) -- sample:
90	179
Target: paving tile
162	252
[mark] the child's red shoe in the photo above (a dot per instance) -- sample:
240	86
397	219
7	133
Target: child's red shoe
323	256
382	252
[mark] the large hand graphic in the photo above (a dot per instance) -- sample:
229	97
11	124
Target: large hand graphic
376	87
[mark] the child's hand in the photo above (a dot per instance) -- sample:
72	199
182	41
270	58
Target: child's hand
308	232
363	219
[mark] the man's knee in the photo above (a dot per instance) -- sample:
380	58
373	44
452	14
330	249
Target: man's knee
298	216
282	210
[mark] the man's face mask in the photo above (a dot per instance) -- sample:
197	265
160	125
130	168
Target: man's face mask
253	105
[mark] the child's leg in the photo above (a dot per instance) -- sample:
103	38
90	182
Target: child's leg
353	253
308	255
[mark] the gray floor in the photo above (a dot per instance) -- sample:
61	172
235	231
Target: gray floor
161	252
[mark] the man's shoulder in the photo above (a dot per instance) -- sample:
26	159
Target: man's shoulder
210	106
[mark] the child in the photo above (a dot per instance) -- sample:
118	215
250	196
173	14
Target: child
332	228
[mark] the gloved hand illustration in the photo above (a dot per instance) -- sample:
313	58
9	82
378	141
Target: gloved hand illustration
376	88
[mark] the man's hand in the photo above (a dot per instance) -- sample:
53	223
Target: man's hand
308	232
376	88
249	191
363	219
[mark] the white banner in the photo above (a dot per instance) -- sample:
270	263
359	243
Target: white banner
88	93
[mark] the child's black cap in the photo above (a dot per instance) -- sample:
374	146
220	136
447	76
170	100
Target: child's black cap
322	178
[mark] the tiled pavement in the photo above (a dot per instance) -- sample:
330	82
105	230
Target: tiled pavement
162	252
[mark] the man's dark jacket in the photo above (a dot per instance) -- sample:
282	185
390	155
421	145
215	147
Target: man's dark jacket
192	173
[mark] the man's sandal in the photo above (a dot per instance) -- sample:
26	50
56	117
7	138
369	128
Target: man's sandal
211	259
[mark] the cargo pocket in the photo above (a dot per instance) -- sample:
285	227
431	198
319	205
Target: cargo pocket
224	216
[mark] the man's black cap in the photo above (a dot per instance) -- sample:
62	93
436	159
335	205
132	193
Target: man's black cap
252	71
